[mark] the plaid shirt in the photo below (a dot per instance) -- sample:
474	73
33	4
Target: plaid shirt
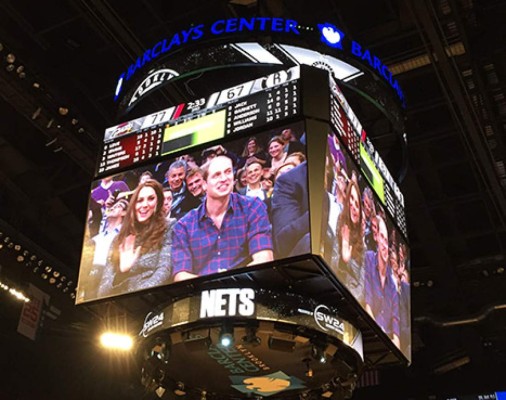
201	248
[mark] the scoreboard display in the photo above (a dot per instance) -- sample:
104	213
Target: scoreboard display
238	109
362	152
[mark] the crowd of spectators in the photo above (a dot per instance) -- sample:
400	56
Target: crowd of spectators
363	248
221	208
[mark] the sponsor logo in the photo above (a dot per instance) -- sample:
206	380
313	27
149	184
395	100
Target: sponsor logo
266	385
326	321
227	303
151	322
332	36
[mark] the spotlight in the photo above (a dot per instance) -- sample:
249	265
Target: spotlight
40	263
7	239
116	341
10	67
35	270
226	336
44	276
52	281
48	269
59	286
318	354
36	85
70	283
17	247
80	130
20	259
22	75
65	290
10	245
72	296
63	278
26	253
10	58
20	69
63	111
33	257
56	274
74	121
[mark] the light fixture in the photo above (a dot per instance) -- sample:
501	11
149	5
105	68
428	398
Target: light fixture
74	121
226	336
198	343
63	111
281	344
10	58
116	341
20	259
20	69
48	269
10	67
251	337
318	353
52	281
56	274
22	75
17	247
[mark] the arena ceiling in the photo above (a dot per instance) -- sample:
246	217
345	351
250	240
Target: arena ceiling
450	59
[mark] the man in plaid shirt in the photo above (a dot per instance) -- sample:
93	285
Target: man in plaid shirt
226	231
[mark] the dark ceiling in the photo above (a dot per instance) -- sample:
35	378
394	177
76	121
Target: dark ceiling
450	59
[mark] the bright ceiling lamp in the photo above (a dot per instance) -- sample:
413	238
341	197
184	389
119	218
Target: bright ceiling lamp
116	341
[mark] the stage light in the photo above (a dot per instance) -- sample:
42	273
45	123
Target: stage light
20	259
10	245
226	336
22	75
56	274
318	354
36	85
116	341
52	281
63	111
44	276
74	121
59	286
10	58
17	247
40	263
33	257
10	67
20	69
48	269
80	130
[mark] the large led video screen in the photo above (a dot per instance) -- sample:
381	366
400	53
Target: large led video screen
363	247
224	207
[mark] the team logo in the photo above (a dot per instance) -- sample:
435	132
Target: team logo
331	36
266	385
151	322
152	81
326	321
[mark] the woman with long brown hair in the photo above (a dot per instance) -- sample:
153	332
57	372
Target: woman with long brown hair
140	256
350	243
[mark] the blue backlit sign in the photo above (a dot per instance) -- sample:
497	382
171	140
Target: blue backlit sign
330	36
